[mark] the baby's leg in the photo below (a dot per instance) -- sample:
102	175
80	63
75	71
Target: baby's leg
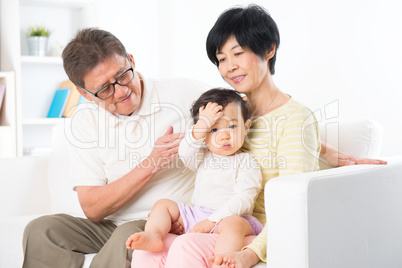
163	213
232	231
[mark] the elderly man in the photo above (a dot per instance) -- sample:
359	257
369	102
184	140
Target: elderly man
124	155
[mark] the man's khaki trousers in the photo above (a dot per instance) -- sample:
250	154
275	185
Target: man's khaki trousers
62	240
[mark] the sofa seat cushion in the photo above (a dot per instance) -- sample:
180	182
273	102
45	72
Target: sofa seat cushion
62	197
11	239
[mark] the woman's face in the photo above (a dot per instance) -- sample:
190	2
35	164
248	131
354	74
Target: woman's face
241	68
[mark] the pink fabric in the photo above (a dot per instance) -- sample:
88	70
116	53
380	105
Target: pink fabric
153	259
189	250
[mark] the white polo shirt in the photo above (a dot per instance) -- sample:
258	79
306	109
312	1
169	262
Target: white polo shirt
105	147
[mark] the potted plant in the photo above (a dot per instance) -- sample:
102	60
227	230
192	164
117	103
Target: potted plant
38	37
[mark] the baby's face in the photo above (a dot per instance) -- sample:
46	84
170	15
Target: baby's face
227	134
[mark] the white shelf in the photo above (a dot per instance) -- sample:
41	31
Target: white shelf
31	151
42	121
30	93
7	142
8	127
41	60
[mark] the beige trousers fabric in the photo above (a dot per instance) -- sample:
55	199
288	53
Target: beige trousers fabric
62	240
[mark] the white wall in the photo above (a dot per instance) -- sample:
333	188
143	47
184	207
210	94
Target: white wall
346	54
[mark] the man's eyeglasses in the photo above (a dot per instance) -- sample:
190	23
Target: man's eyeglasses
108	90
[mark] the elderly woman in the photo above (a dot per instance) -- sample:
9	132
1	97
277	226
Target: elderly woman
284	135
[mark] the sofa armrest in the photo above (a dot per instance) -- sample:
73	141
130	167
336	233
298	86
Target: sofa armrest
343	217
24	188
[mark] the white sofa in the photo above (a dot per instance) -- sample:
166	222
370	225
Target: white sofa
343	217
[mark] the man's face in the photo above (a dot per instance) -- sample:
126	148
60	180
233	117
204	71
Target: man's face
126	98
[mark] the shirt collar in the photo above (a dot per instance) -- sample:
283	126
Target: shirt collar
150	100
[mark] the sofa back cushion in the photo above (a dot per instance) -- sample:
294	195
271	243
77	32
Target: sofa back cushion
62	197
355	136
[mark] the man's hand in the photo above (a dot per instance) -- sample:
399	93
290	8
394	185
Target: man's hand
204	226
166	150
207	117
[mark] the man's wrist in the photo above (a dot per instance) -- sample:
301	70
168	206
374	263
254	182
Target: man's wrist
149	165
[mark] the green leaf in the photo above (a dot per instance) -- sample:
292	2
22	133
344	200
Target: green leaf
39	31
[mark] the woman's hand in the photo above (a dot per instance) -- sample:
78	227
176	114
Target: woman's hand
338	159
204	226
241	259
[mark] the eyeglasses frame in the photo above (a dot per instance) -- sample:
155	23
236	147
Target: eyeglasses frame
113	84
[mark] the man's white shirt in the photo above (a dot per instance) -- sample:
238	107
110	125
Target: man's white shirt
105	147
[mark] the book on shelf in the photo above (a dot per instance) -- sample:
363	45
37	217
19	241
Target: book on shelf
2	93
59	102
73	100
65	101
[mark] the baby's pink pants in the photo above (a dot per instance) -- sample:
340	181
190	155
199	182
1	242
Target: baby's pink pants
188	250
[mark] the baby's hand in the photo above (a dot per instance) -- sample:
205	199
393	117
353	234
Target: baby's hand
210	114
204	226
207	117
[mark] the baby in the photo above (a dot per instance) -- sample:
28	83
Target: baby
227	180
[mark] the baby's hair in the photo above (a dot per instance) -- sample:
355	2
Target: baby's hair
221	96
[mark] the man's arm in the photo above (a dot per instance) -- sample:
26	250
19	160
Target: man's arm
98	202
338	159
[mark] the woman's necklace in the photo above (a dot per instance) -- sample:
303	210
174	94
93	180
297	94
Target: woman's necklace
269	104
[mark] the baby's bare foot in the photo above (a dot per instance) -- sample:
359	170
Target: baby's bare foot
145	241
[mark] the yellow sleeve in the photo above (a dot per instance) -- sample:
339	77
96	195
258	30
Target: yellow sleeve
298	151
299	148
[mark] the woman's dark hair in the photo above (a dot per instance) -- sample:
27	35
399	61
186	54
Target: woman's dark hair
252	27
90	47
221	96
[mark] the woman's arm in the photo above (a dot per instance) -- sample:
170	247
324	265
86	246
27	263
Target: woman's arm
258	247
297	151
